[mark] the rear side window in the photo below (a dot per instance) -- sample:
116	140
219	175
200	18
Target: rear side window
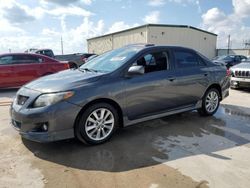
6	60
48	53
26	59
185	59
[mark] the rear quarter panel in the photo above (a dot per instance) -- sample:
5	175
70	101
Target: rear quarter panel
218	75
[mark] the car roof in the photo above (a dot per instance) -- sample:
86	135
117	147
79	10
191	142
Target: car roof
146	46
29	54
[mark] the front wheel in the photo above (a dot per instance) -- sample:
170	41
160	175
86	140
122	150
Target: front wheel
97	124
210	102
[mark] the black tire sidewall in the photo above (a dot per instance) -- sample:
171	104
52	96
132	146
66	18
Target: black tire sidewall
80	132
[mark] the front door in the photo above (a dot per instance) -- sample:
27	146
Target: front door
151	92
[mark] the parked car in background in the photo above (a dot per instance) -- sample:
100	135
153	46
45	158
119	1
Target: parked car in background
75	60
240	75
16	69
229	60
90	58
121	87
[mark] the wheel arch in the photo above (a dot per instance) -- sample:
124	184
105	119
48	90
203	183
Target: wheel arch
216	86
102	100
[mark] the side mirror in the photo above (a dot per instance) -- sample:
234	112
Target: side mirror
136	70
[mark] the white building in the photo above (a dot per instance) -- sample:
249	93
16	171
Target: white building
170	35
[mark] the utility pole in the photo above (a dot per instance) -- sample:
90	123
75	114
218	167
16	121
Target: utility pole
228	44
62	45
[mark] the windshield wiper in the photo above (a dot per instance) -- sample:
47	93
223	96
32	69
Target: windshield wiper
87	69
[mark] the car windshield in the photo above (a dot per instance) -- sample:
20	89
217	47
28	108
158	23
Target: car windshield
112	60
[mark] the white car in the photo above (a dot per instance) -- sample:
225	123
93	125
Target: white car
240	75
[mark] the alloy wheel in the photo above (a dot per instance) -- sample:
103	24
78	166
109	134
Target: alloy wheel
99	124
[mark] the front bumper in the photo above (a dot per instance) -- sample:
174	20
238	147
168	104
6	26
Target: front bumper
239	82
59	118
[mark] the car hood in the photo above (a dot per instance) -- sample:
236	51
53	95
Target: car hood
242	66
64	80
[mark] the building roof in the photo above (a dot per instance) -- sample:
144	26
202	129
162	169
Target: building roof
153	25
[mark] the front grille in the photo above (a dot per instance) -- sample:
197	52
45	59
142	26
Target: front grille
21	99
242	74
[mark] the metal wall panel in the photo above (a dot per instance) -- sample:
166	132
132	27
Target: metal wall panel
130	37
100	45
202	42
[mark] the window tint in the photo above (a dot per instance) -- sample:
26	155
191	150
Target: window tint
5	60
25	59
237	58
154	62
186	59
48	53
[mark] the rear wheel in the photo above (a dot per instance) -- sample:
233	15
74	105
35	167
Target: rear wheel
210	102
97	124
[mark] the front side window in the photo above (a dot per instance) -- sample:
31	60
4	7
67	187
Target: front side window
186	59
152	62
6	60
110	61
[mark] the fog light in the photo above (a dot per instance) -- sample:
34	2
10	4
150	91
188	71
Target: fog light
45	127
235	83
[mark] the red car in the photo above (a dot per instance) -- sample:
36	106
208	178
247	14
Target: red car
16	69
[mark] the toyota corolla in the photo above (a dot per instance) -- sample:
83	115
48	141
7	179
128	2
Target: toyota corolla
119	88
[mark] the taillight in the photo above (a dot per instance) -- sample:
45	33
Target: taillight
66	65
229	73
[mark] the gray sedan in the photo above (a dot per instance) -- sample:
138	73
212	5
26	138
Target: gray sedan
119	88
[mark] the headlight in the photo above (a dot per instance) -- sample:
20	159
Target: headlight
51	98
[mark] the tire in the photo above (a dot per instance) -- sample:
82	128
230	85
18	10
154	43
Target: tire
91	127
206	109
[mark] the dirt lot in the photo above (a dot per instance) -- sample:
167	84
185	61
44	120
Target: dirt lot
178	151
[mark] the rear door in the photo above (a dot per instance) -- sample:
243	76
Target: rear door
27	67
7	75
191	76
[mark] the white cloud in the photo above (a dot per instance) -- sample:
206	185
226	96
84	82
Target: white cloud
242	8
66	2
72	10
215	20
156	3
13	36
152	17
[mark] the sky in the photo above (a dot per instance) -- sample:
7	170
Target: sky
28	24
